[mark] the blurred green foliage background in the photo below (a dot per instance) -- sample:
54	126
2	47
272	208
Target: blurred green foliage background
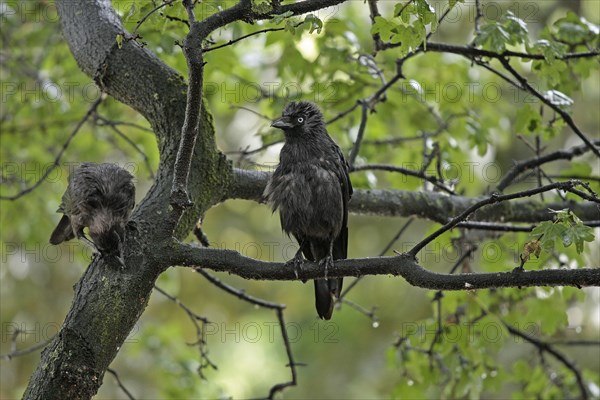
44	95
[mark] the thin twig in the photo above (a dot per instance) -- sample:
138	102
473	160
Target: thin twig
359	136
437	298
245	152
491	226
543	346
396	140
521	166
374	12
584	195
119	383
265	304
263	116
582	178
473	52
103	121
205	361
136	148
367	313
565	115
233	41
494	198
566	342
18	353
478	16
387	247
56	162
145	17
405	171
342	114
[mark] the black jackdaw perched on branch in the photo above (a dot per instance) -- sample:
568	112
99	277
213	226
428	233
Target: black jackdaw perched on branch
100	197
311	188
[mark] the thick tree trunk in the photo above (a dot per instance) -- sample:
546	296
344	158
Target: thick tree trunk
108	299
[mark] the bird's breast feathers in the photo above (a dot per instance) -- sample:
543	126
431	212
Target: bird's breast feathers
302	192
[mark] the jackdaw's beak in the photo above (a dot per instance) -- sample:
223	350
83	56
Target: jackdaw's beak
282	123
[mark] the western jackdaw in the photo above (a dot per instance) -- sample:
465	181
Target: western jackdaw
99	197
311	188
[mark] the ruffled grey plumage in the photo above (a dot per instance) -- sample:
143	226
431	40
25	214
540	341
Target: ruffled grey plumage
311	189
99	197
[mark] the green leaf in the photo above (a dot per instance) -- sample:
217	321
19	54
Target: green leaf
583	67
572	32
567	227
400	9
314	22
553	73
290	26
579	234
549	232
516	28
527	120
386	29
492	37
549	313
550	49
562	215
132	12
508	30
478	137
426	13
277	19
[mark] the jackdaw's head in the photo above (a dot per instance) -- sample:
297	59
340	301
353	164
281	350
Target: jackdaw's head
300	119
107	230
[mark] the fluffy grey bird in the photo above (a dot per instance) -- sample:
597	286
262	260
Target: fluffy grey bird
311	188
99	197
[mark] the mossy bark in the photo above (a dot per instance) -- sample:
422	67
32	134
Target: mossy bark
108	299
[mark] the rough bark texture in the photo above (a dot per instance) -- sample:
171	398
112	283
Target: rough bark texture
249	185
404	265
108	301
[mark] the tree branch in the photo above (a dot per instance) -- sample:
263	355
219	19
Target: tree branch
437	182
192	49
359	136
543	346
278	308
56	162
471	52
120	383
494	198
406	266
564	115
250	185
524	165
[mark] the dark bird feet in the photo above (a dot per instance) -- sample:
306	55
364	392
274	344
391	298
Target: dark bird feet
92	245
119	258
326	263
297	263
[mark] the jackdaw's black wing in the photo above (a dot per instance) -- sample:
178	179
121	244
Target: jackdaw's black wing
327	290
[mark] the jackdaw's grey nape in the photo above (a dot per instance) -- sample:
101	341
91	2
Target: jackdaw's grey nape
311	188
99	197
